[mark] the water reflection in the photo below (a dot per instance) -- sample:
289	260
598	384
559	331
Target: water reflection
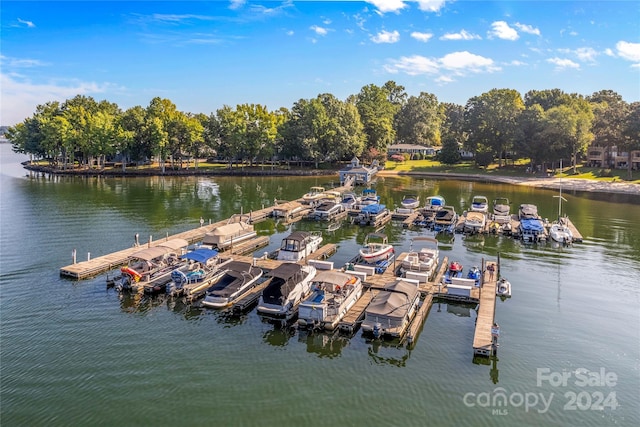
279	335
323	344
383	352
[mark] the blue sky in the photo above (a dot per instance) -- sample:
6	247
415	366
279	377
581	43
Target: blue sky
206	54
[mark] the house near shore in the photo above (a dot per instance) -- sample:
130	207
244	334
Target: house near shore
411	149
361	175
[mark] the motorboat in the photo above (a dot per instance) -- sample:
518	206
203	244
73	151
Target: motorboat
314	194
434	203
531	230
453	270
391	310
225	236
501	211
239	278
298	245
410	201
428	212
474	222
479	204
376	248
289	284
503	288
527	211
327	210
287	210
151	266
349	201
424	259
372	214
445	219
369	197
204	267
333	294
560	233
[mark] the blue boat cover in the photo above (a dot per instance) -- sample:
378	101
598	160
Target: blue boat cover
373	209
531	224
200	255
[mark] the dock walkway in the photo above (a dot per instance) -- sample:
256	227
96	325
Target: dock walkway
482	338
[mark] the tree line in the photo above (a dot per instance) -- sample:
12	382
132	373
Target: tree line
544	126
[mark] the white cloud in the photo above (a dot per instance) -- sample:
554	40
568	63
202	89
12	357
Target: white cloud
27	23
527	28
290	33
10	62
445	68
462	35
517	63
385	6
586	54
502	30
609	52
423	37
236	4
562	63
413	65
319	30
396	6
20	97
628	51
386	37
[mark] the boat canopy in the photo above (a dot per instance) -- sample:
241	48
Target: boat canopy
332	277
175	244
152	253
285	278
200	255
230	229
394	302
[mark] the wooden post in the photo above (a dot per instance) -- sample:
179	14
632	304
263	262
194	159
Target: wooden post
73	255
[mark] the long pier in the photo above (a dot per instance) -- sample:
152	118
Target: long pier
482	338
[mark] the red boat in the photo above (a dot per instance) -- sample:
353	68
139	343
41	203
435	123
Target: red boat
455	267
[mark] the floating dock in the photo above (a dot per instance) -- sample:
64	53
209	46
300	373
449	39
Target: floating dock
483	339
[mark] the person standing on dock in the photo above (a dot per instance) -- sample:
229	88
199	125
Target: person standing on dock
491	268
201	222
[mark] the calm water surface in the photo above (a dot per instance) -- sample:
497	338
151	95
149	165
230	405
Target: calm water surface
76	353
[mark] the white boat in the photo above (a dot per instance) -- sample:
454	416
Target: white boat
372	214
392	309
151	266
501	211
527	211
287	209
434	203
560	233
369	197
376	248
503	288
474	222
445	219
204	267
327	210
313	195
531	230
333	294
425	259
480	204
289	284
410	201
223	237
239	278
298	245
349	200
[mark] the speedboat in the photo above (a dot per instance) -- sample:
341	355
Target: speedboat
204	268
225	236
503	288
531	230
333	294
501	210
287	210
527	211
475	274
376	248
298	245
369	197
410	201
560	233
349	200
426	259
314	194
391	310
479	204
326	210
434	203
428	212
454	270
289	284
239	278
445	219
152	266
474	221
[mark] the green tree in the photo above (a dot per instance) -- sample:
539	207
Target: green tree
419	121
377	113
610	112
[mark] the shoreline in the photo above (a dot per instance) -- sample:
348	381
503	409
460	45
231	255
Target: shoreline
568	184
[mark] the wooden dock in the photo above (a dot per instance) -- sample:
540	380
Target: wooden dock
482	338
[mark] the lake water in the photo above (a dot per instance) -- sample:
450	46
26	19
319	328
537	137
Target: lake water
77	353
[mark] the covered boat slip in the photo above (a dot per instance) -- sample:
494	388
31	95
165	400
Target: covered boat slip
227	235
392	308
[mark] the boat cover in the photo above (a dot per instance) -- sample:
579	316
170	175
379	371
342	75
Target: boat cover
200	255
237	274
332	277
373	209
151	253
394	302
528	211
174	244
529	224
285	278
445	215
230	229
